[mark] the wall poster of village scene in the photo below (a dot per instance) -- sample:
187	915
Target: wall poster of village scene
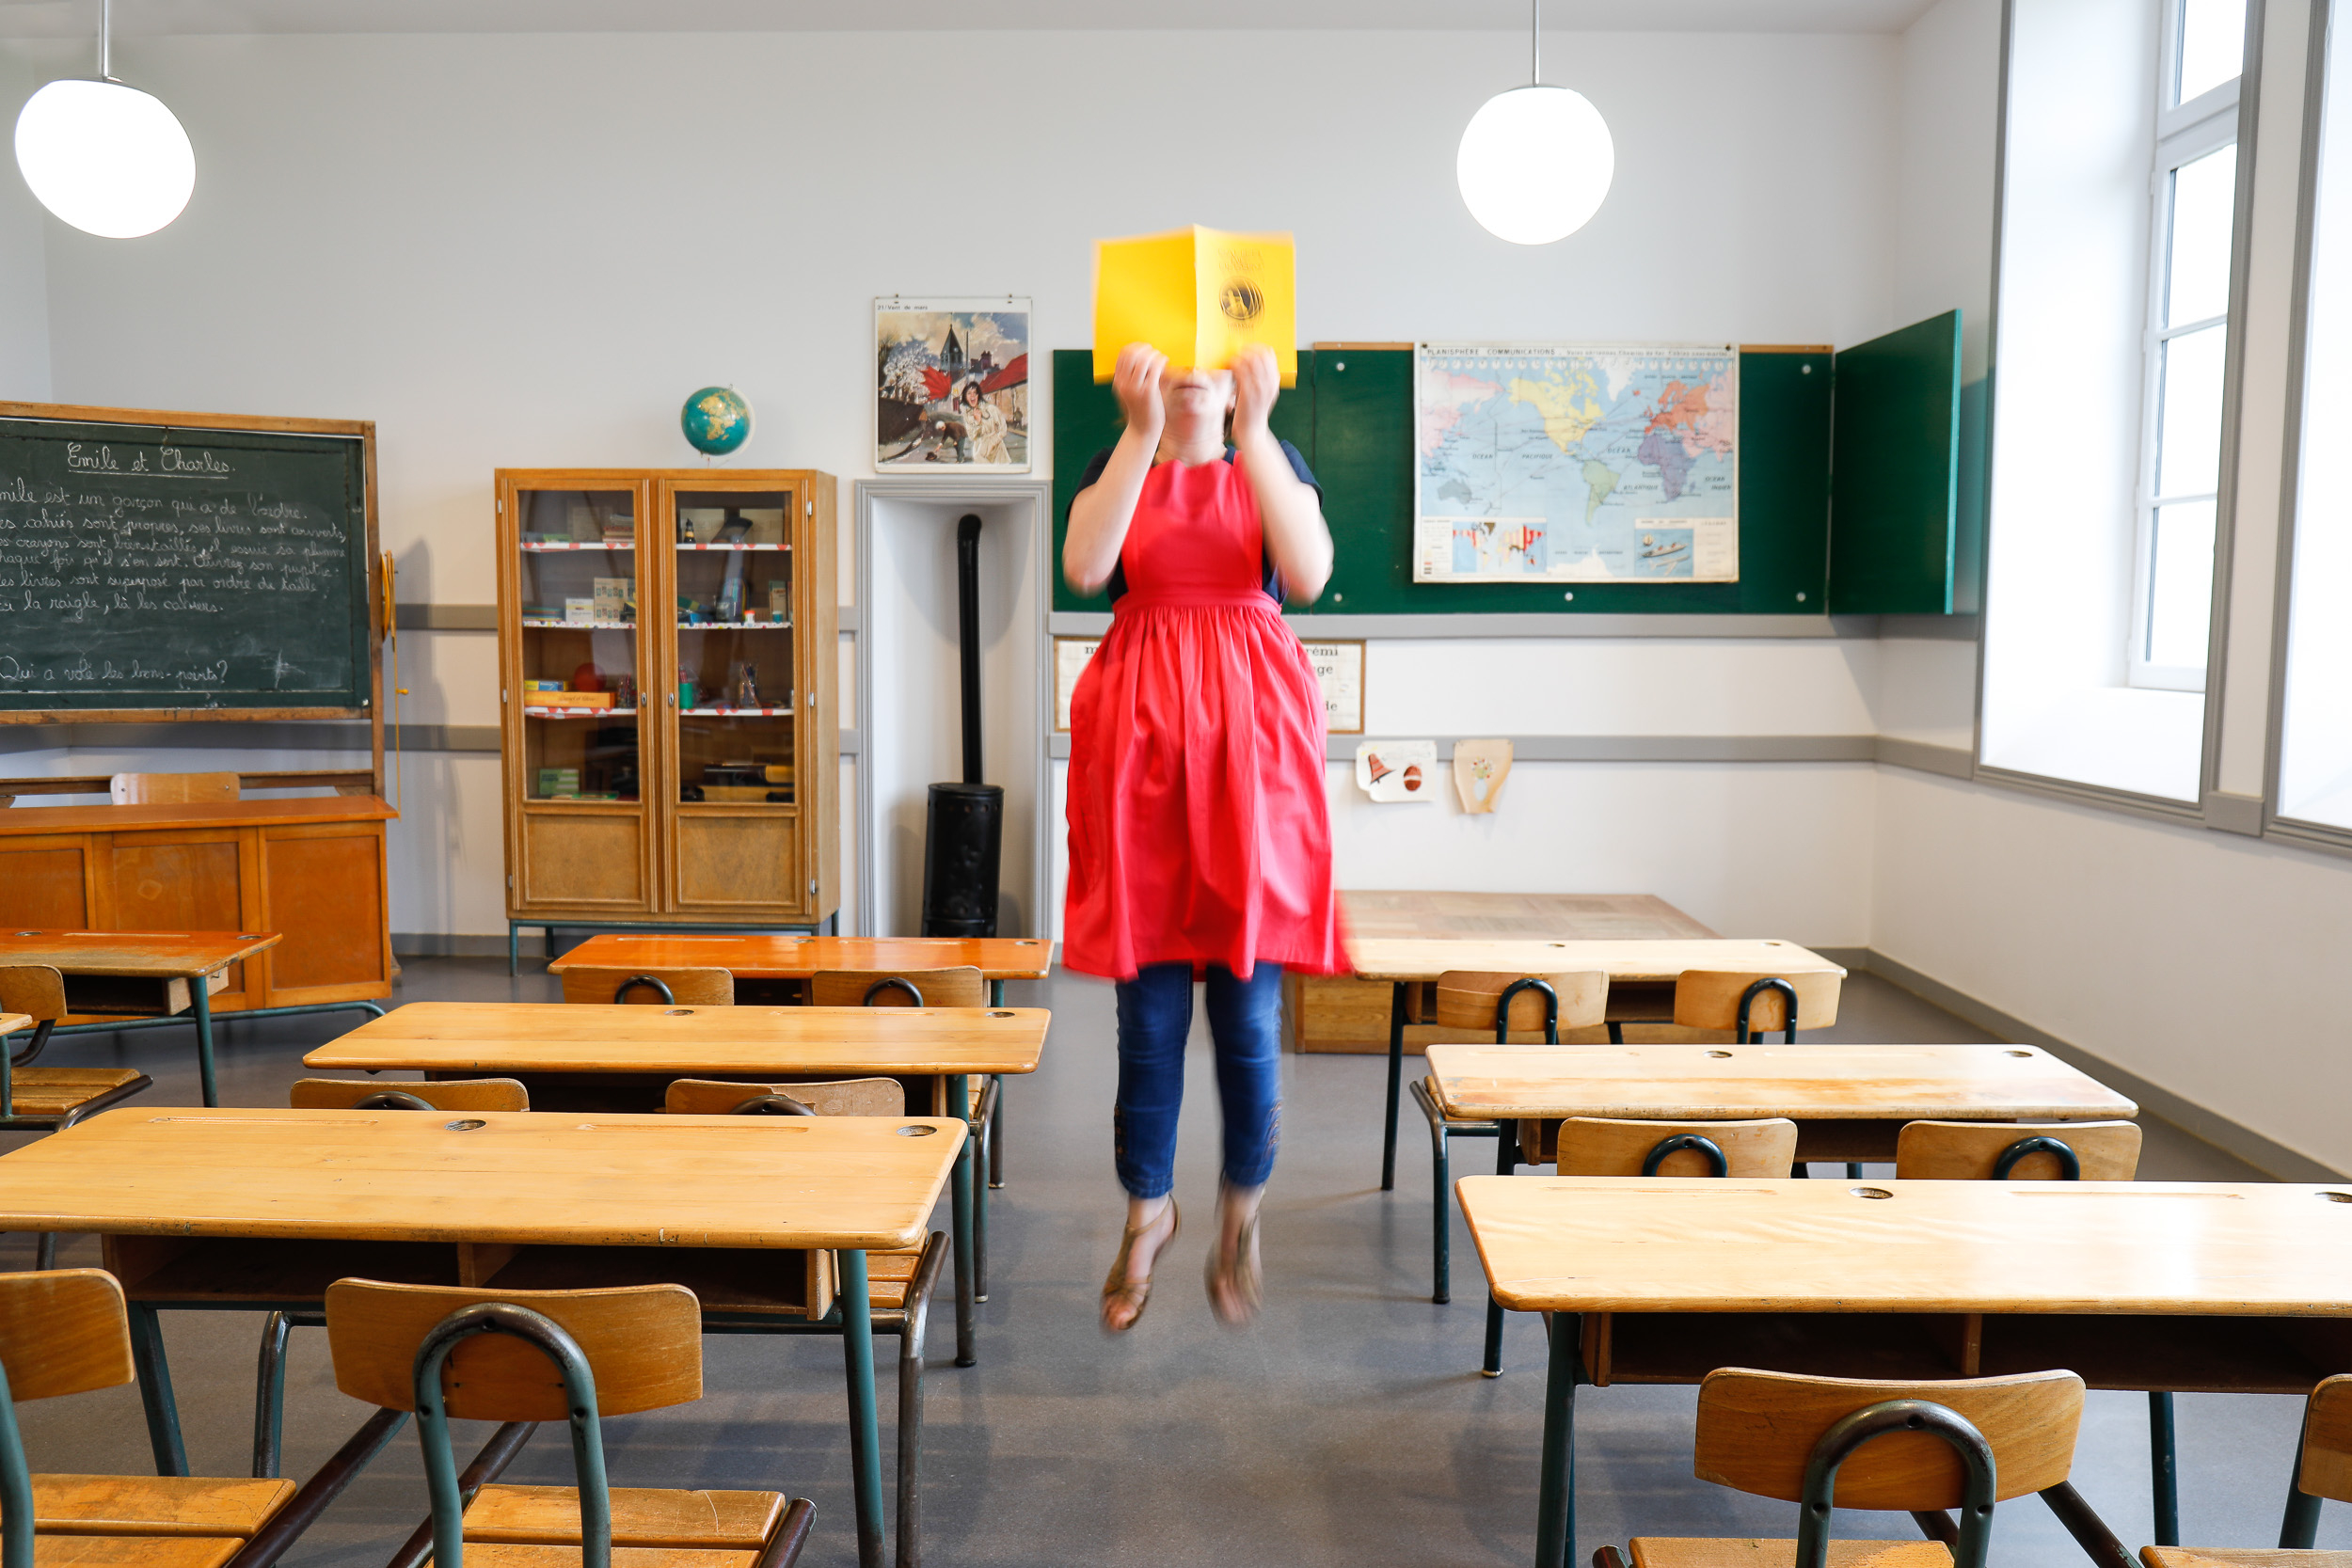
952	383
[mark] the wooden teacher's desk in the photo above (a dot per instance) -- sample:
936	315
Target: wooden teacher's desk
157	975
311	867
1847	1100
247	1210
2140	1285
1641	973
637	1050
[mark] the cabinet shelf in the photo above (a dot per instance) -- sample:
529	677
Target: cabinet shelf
579	625
683	546
537	547
735	712
529	712
734	626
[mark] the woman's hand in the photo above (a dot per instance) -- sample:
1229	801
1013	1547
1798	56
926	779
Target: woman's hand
1257	382
1135	382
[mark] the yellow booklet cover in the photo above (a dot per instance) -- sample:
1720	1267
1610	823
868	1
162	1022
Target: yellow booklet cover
1199	295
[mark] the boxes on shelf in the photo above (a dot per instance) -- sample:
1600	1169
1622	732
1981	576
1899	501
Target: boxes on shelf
559	698
555	782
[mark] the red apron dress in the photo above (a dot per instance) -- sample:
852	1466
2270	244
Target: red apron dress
1199	831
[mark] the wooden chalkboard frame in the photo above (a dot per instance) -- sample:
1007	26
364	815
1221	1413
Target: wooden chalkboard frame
378	612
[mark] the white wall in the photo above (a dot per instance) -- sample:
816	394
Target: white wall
23	267
523	252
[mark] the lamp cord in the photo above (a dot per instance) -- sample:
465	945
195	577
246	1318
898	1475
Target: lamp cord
105	39
1534	43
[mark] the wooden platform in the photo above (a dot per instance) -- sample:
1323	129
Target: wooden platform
1341	1014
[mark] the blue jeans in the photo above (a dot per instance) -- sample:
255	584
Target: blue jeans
1154	1017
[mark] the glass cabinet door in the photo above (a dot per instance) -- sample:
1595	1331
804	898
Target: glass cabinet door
580	670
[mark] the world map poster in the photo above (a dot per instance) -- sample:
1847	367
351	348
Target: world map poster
1576	463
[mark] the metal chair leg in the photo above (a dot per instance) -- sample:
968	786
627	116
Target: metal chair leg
915	1318
1507	1163
1441	1197
1853	1170
996	1137
269	1396
45	1251
2164	1473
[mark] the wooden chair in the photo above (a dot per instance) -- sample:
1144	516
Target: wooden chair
2049	1152
2017	1151
454	1094
1601	1146
65	1332
50	1099
960	986
172	789
653	987
1749	1002
1507	1003
520	1358
1922	1447
2322	1469
899	1284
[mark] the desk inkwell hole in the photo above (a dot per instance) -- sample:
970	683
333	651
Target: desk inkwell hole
1000	1013
1869	1192
2017	1053
467	1126
917	1132
2337	1197
28	933
677	1012
1724	1053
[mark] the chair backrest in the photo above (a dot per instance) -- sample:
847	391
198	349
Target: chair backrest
2326	1470
458	1094
1758	1430
1977	1150
848	1096
1709	999
1470	999
688	988
644	1342
63	1331
960	986
1598	1145
36	991
172	789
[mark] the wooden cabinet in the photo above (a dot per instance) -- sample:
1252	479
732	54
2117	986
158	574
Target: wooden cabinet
666	644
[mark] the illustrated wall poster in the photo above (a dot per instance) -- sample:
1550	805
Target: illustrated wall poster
1394	770
1339	671
951	384
1576	463
1071	655
1479	769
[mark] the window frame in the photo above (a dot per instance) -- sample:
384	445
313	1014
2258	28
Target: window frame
2184	132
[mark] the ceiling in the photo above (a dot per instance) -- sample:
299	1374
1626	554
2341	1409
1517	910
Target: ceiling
136	18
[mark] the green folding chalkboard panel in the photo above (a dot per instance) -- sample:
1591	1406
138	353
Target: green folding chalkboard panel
1896	541
1085	419
1352	416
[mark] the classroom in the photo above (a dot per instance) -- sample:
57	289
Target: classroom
792	786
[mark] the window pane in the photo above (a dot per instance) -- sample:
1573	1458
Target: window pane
2213	44
2188	456
2204	195
2180	585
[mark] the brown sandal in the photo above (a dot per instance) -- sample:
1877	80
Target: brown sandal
1236	1283
1119	1290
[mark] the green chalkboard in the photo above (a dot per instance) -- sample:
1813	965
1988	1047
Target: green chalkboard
1352	416
1897	546
154	569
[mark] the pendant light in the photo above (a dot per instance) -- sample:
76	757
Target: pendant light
1536	162
108	159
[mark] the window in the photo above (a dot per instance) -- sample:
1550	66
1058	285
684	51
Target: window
2194	191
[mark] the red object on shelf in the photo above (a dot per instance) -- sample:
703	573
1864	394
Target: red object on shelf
587	679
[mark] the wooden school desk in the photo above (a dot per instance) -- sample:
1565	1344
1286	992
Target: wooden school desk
245	1210
795	958
1849	1101
2135	1284
142	975
537	1040
1640	978
1341	1013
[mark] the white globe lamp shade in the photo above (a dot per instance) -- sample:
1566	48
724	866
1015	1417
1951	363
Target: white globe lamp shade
108	159
1535	164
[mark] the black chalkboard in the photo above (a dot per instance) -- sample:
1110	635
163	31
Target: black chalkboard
160	568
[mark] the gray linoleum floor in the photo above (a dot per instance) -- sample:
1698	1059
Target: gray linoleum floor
1348	1428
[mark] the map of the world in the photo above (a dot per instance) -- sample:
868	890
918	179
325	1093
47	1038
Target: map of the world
1576	463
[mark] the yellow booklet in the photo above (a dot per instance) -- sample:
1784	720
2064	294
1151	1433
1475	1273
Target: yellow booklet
1199	295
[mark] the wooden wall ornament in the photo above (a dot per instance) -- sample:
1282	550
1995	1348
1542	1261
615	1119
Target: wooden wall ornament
1394	770
1479	769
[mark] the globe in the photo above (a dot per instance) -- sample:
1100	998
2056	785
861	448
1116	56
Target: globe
716	420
